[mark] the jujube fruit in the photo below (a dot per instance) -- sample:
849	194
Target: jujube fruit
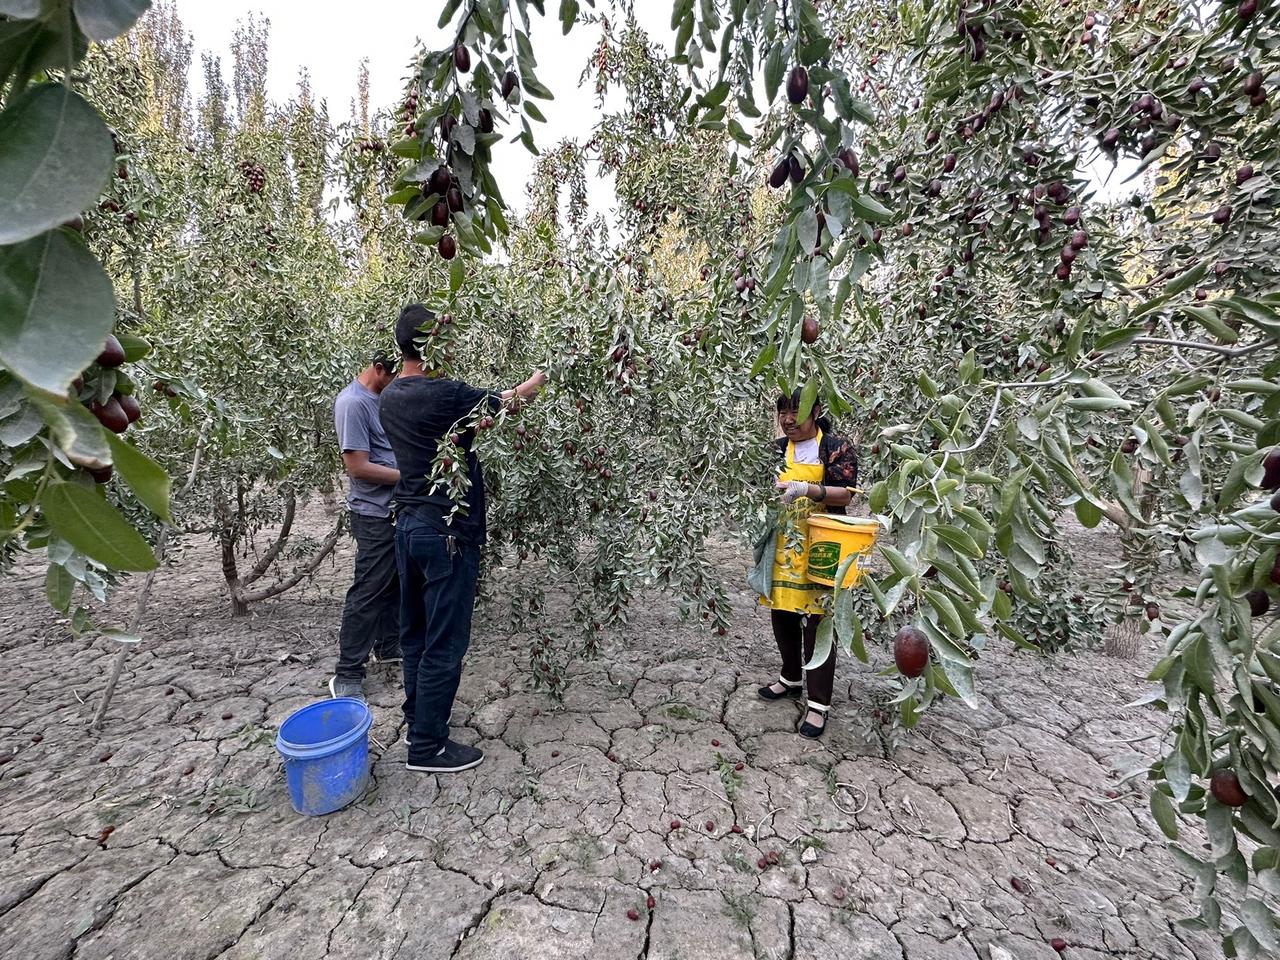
112	354
508	84
129	404
448	247
1226	789
461	58
1259	602
111	415
911	651
440	214
798	85
809	330
779	175
1271	469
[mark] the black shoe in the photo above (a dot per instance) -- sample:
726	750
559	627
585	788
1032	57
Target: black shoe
768	693
809	731
346	688
451	758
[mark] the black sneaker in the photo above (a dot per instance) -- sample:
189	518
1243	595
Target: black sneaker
451	758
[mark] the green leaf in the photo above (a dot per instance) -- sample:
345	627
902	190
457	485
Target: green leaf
568	13
457	273
946	612
146	478
76	431
808	396
135	348
716	95
55	160
447	11
773	67
1115	338
958	540
1001	605
821	644
901	565
1097	404
56	309
28	47
1177	773
1187	279
1165	815
86	521
869	208
102	20
58	584
878	499
1259	314
1088	514
1260	923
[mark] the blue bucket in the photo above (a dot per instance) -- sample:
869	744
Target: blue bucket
325	746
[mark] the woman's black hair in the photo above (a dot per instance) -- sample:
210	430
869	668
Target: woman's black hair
792	402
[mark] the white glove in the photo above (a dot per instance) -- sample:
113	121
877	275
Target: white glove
793	490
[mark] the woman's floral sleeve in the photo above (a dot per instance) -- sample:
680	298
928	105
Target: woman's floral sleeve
842	464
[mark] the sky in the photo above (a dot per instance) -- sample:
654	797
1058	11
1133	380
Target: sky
330	39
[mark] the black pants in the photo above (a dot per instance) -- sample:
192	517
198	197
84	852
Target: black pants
796	635
371	613
438	575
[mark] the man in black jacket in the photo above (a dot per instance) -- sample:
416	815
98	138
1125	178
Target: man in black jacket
437	545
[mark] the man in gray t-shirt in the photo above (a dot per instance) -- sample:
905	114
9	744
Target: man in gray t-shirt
371	613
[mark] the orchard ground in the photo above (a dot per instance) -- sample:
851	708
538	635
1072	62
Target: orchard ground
985	833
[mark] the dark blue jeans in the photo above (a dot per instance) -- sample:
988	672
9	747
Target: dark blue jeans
371	613
437	593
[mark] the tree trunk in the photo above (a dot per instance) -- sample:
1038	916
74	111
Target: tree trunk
230	569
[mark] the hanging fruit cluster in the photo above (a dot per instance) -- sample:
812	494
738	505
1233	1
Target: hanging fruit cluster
448	122
254	174
108	392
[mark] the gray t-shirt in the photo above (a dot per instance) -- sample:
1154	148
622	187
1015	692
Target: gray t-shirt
355	418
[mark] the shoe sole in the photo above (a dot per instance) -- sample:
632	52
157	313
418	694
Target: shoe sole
423	768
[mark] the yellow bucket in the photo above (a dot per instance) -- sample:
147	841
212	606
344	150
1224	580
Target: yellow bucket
832	537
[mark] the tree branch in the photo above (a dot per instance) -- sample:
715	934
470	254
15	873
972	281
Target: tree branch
144	595
986	427
268	558
1228	352
309	568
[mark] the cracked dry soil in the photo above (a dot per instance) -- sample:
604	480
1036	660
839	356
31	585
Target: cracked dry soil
984	834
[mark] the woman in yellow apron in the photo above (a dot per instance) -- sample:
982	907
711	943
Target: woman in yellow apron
818	473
